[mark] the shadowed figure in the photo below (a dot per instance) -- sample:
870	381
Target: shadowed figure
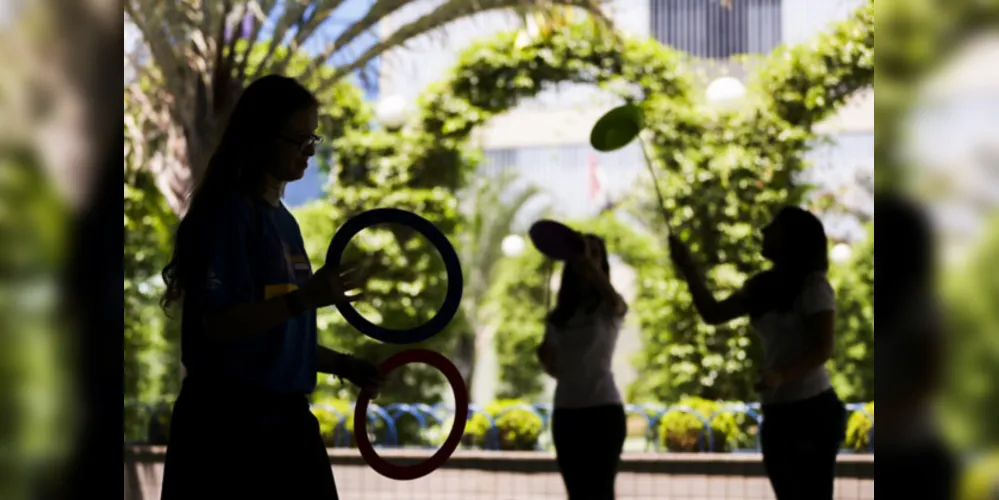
792	309
588	421
249	298
909	354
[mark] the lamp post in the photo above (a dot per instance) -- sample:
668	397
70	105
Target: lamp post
392	111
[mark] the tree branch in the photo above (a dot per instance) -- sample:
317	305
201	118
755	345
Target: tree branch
320	14
293	16
445	14
257	11
160	48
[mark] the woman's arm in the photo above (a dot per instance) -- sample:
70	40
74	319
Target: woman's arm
711	310
325	288
251	318
330	361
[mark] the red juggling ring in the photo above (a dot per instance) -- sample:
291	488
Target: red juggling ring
404	473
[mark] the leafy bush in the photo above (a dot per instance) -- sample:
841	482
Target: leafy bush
518	428
158	429
858	429
682	431
852	365
329	421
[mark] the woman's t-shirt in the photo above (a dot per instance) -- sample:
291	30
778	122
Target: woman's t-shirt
257	253
785	340
584	354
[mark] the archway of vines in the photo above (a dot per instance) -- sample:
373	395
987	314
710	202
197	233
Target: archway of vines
724	175
491	78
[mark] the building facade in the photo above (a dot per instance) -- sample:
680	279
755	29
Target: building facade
546	139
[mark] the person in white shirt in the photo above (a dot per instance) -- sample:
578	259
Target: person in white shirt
588	421
909	354
792	309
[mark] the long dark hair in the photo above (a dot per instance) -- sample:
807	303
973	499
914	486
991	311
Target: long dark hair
236	168
574	293
910	270
805	251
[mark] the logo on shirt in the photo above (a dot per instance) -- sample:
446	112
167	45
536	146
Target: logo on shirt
271	291
213	282
299	263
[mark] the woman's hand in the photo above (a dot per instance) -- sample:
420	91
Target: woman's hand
362	373
330	284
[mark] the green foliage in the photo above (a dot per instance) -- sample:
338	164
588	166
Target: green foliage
37	425
682	431
852	365
151	339
858	429
491	206
971	391
331	412
517	310
923	34
518	427
726	174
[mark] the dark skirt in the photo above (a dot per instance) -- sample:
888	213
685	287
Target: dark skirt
233	443
800	442
588	443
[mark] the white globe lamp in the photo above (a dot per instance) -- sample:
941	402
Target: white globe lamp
391	111
725	92
513	245
840	253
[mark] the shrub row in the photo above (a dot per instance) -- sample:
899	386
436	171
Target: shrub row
511	424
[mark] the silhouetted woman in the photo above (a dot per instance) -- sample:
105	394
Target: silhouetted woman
588	421
242	426
792	308
910	347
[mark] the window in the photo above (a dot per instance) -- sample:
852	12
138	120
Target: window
710	30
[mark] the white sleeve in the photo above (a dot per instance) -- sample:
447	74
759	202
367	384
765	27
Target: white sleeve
817	296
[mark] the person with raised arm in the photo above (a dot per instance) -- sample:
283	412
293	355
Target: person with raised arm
581	332
792	308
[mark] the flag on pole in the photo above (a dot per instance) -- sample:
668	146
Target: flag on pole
596	178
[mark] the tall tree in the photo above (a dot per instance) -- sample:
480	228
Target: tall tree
194	47
495	204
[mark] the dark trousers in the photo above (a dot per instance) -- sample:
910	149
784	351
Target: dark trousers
927	472
800	442
588	443
230	443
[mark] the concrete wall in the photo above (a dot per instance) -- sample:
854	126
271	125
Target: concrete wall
533	476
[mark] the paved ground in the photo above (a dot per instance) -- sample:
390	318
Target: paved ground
358	483
361	483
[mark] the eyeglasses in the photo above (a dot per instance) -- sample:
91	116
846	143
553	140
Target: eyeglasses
303	144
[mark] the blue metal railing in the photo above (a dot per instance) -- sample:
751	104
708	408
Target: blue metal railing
428	417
